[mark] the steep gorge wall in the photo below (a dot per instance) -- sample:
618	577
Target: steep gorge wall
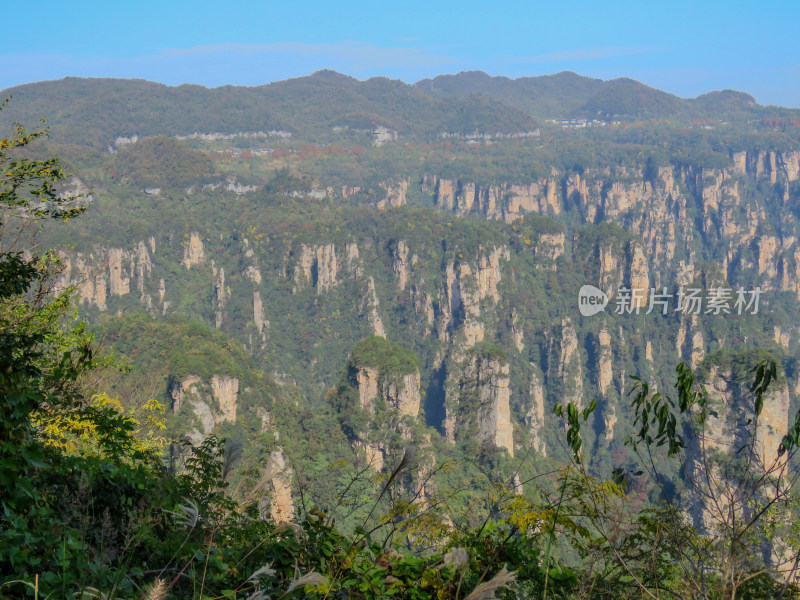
678	213
676	224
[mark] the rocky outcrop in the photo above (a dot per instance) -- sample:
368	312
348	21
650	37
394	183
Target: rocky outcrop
506	202
371	306
565	364
401	264
179	389
194	252
732	401
399	392
251	271
395	194
387	380
258	313
211	403
317	265
638	276
107	272
279	474
549	247
221	293
327	267
535	417
656	205
119	280
466	285
368	387
374	454
727	434
481	407
604	358
303	267
226	393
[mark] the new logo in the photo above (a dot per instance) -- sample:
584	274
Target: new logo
591	300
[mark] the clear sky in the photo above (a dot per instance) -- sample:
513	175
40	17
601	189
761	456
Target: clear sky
686	48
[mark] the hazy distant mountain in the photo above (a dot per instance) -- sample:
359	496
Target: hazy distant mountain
95	111
568	95
548	96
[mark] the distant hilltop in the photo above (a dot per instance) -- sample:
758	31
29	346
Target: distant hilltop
94	112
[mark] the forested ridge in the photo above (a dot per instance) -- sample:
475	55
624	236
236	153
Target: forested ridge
321	339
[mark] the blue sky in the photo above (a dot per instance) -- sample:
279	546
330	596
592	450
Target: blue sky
686	48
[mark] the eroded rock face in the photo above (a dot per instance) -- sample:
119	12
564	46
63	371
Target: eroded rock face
209	409
374	454
506	202
404	394
221	293
194	252
565	363
482	406
733	400
387	382
320	266
395	193
466	285
729	431
107	272
281	504
368	387
119	281
400	393
372	307
550	247
534	419
401	265
179	389
258	313
327	267
226	393
604	358
638	276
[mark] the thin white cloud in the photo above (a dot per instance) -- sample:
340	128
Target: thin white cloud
590	53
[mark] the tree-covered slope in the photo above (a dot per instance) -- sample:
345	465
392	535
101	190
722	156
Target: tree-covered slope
567	95
94	112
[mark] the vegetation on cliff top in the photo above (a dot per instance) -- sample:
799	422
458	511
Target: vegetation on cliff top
385	355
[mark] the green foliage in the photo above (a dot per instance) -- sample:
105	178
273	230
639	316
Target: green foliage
728	544
489	351
28	187
389	358
162	162
110	108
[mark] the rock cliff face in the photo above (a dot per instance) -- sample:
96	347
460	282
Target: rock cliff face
726	440
467	284
105	272
279	475
226	393
395	194
210	403
317	265
565	364
534	418
387	381
659	207
448	285
399	393
194	253
506	202
481	407
732	400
